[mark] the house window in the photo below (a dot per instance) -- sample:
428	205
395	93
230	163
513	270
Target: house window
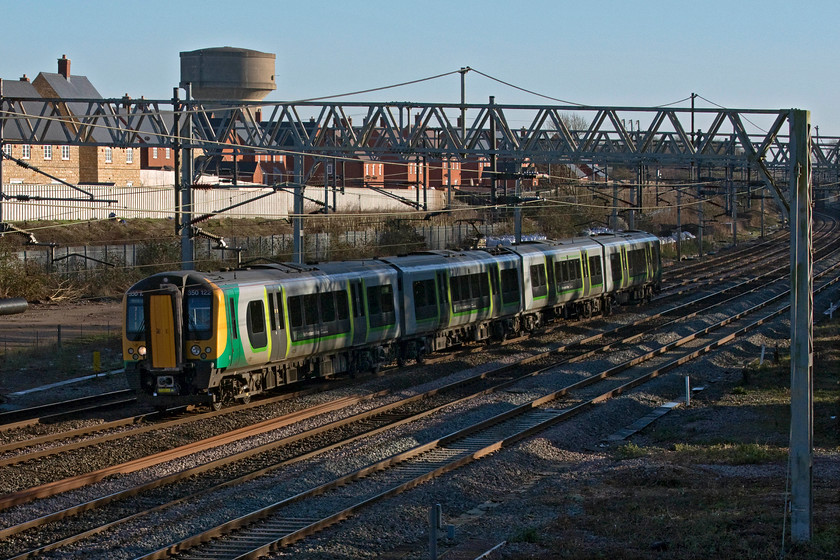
108	155
65	152
47	152
129	155
25	151
154	153
166	153
7	149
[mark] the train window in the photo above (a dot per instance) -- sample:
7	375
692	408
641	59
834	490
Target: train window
381	305
135	321
334	313
356	294
615	265
596	274
343	310
637	262
455	289
327	307
510	285
568	276
469	292
310	309
280	319
255	317
271	316
425	303
234	328
539	283
199	316
295	314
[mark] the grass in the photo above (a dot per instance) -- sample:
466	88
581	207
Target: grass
728	453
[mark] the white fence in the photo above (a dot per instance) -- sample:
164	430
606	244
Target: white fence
60	202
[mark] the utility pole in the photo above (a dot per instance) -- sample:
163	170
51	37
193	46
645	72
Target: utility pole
679	223
801	329
463	72
699	221
734	193
2	151
449	182
694	174
297	218
614	214
494	147
187	172
176	154
517	214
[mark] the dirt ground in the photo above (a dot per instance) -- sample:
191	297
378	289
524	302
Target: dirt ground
29	341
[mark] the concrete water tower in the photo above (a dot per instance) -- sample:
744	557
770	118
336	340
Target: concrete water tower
228	73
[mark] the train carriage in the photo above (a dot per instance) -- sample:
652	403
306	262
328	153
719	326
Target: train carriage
447	297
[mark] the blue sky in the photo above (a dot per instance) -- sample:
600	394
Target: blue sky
743	54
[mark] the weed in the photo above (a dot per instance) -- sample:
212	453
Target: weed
728	453
526	535
629	451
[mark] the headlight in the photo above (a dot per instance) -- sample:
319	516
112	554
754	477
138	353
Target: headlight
131	350
195	350
142	350
208	350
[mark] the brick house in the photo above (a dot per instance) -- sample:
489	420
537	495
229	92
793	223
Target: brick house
60	161
74	164
157	158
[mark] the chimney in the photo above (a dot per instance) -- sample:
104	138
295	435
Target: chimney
24	78
64	66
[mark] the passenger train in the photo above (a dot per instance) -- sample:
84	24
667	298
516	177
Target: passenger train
193	337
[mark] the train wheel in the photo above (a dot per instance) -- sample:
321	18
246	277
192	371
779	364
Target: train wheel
246	398
217	403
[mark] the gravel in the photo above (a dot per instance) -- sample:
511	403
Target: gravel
490	499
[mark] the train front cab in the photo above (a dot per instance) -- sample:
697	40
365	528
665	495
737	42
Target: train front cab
173	336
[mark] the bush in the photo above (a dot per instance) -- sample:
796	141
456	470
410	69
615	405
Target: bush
629	451
400	237
158	256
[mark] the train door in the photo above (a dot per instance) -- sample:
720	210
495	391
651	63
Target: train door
625	268
234	327
587	280
357	303
164	327
443	298
277	324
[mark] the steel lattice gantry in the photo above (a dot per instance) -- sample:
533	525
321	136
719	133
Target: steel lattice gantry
518	133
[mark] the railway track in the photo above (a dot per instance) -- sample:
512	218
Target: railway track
52	412
327	520
16	452
286	521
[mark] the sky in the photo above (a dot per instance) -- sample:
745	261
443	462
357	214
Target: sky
740	54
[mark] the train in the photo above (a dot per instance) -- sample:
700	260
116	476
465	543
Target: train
217	338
